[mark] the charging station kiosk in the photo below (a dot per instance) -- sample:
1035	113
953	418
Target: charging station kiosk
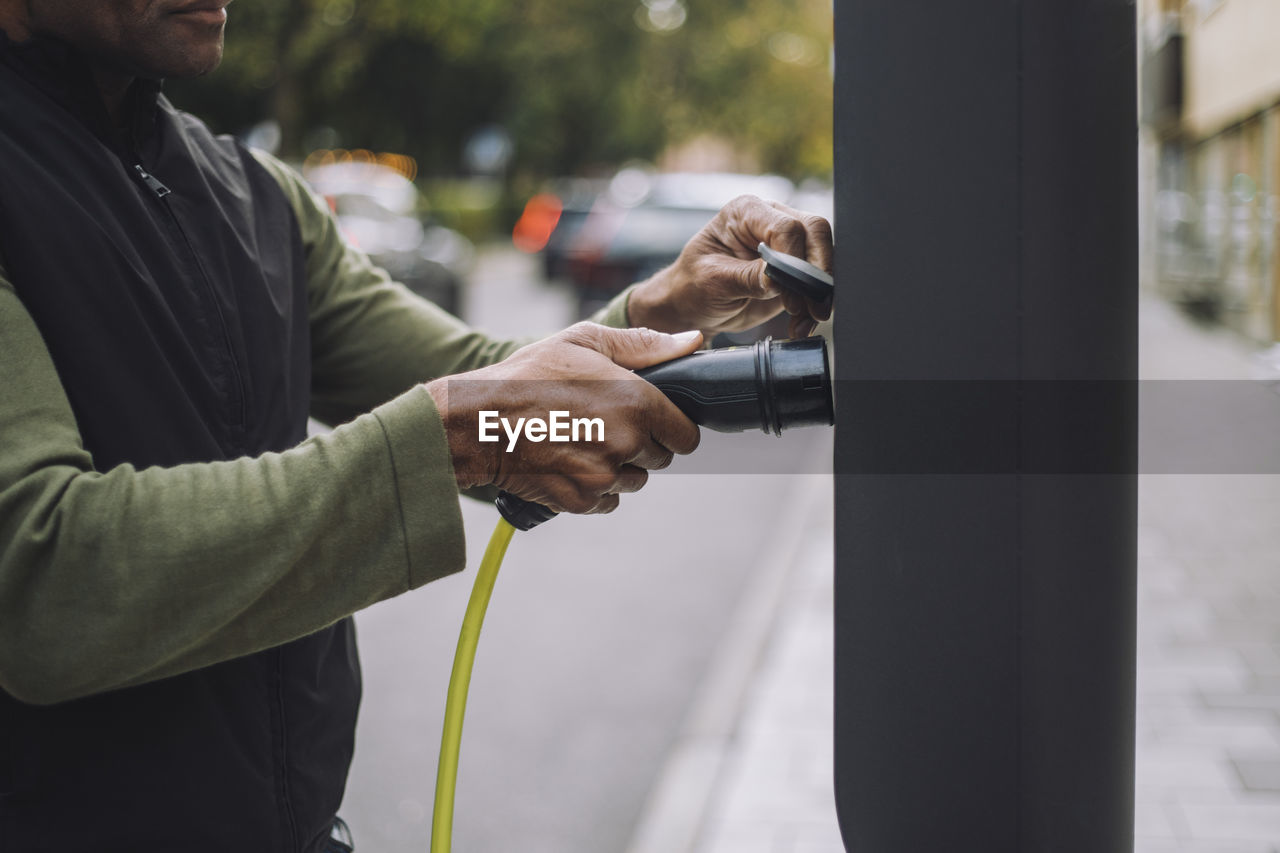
985	366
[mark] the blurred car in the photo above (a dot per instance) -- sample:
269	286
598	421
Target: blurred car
643	221
552	220
377	211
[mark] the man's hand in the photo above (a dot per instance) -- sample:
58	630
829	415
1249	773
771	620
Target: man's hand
718	282
581	371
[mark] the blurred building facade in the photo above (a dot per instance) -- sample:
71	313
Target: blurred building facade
1210	119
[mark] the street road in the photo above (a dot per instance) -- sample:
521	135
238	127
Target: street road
598	633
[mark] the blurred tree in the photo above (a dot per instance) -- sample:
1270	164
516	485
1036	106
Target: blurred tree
578	84
756	72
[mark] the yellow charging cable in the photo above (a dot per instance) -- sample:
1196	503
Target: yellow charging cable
456	703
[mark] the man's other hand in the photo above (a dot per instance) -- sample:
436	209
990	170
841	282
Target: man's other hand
718	283
585	373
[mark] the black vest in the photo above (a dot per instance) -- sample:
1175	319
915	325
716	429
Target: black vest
165	270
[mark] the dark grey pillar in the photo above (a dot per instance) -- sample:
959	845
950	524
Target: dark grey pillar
986	217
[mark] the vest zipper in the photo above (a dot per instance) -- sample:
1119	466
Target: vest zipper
157	187
152	182
282	749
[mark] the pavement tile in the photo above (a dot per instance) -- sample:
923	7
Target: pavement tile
1268	701
1223	671
781	777
1177	620
1262	658
1157	717
1174	795
1230	734
1152	820
1259	775
1172	697
1156	845
1237	822
1241	630
752	838
1163	767
1167	846
1237	796
815	838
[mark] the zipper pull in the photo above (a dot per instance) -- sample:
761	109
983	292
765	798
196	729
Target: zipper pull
152	182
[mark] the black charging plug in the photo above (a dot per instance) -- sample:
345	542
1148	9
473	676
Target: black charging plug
770	385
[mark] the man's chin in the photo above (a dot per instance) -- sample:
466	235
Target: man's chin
191	64
200	71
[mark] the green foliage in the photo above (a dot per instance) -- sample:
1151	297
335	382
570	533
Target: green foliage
580	85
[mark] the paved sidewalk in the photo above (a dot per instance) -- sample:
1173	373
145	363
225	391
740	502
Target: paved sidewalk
1208	745
775	794
752	774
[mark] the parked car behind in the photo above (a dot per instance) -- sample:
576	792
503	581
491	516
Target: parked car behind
642	221
377	210
573	199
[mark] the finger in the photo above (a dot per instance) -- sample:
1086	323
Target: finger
633	348
802	327
599	493
821	310
670	427
652	456
738	278
606	505
799	306
819	247
630	479
795	304
764	222
558	493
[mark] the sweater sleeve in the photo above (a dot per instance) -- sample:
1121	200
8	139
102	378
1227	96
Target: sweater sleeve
113	578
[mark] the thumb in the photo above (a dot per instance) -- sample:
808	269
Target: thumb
634	348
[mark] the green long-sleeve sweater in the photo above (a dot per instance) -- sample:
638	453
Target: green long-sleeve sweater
112	578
